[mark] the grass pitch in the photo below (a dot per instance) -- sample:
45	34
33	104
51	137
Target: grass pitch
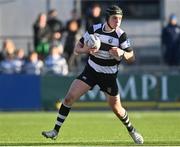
89	129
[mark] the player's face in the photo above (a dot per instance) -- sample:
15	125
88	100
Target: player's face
115	21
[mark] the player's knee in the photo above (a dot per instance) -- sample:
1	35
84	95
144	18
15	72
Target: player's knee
69	99
67	102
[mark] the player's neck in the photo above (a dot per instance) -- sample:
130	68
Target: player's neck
107	28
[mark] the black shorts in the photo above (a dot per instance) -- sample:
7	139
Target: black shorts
106	82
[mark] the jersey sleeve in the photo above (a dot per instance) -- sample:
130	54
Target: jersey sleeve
125	43
89	31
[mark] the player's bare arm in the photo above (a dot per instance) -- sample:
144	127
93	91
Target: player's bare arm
83	49
129	57
119	53
80	49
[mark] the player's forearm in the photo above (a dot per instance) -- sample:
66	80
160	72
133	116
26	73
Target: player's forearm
129	56
80	49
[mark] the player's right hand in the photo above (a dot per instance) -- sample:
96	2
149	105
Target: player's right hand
92	50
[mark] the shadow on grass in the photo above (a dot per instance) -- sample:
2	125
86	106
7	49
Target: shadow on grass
106	143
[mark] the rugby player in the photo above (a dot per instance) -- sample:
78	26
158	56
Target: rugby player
101	69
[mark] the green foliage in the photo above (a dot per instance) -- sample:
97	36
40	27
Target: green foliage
94	128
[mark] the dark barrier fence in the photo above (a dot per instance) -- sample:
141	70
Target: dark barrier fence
54	89
137	91
27	92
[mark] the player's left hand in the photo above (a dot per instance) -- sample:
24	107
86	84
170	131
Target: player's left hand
116	52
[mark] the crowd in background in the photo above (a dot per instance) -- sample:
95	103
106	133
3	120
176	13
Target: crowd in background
54	42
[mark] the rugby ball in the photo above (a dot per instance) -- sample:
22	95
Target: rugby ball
93	41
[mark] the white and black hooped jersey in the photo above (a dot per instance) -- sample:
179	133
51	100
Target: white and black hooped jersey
102	61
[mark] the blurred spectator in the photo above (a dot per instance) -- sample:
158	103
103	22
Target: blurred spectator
72	36
34	65
7	65
56	42
55	25
75	16
170	36
19	60
8	48
20	54
41	36
55	63
94	16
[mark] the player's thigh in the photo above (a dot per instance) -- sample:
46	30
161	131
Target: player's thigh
76	90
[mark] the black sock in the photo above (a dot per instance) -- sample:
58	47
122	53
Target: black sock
63	113
127	123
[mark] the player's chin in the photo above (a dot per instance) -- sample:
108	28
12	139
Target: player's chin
116	26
